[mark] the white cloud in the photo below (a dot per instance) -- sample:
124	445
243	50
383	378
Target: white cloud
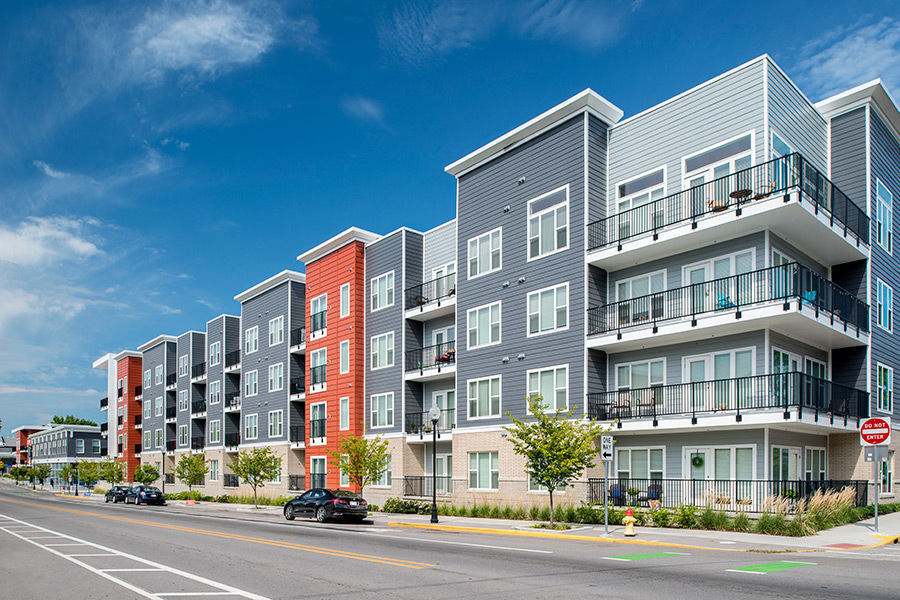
13	389
48	170
850	55
38	240
364	109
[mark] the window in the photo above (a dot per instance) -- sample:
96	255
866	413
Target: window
548	223
95	446
814	465
147	379
183	365
251	430
345	356
345	413
484	325
382	410
716	164
251	384
148	409
251	340
484	470
552	385
383	350
215	392
484	397
147	440
444	280
885	388
345	477
382	291
640	286
182	435
884	219
214	435
157	438
636	202
158	406
159	374
215	353
640	375
317	308
183	400
213	469
276	330
640	463
885	299
79	446
276	377
548	310
345	300
887	475
276	423
385	479
318	360
484	253
317	469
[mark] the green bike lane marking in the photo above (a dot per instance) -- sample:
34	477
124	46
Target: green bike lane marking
771	567
644	556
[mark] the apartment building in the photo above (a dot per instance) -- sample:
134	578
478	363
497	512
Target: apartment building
64	445
22	448
223	396
158	399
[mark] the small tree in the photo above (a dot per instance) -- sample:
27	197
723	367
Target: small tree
71	420
19	472
41	473
111	471
256	467
362	460
190	470
90	472
66	473
556	447
146	474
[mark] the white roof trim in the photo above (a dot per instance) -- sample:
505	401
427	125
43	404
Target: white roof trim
222	316
125	353
874	91
24	427
156	342
586	100
275	280
103	361
353	234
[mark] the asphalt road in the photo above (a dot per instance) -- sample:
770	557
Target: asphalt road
53	547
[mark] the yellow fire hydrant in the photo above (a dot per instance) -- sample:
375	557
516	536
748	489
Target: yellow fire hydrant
629	522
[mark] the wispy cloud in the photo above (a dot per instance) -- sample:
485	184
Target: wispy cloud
849	55
13	389
364	109
38	240
48	170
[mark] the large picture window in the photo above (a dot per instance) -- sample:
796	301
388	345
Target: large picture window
484	253
383	291
548	223
484	325
484	470
382	410
484	397
548	309
383	350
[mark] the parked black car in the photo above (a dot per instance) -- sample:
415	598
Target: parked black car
145	494
117	493
326	504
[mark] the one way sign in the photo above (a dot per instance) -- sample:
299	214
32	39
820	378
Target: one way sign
606	448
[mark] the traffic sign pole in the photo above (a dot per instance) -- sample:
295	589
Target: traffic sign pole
606	454
876	432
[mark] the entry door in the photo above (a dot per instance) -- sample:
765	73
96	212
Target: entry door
696	196
444	336
445	282
698	465
785	463
697	276
444	464
781	275
697	375
446	401
783	363
815	384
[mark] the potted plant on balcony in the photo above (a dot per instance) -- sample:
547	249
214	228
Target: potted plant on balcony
633	493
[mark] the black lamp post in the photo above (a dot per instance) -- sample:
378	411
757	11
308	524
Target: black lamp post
434	414
76	478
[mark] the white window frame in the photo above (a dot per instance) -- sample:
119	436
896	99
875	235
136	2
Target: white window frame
148	408
629	281
183	435
320	299
148	379
632	363
389	410
276	373
884	307
386	479
490	414
345	477
254	418
478	240
345	300
710	357
279	432
344	408
887	483
613	205
276	327
824	464
215	353
158	406
255	379
254	338
344	357
556	308
79	446
215	392
886	392
214	439
548	408
214	469
158	374
374	341
183	367
493	465
157	438
183	400
556	228
148	439
707	170
388	291
470	327
618	468
884	215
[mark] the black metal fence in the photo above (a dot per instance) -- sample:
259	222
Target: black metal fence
104	403
749	495
198	407
298	433
232	359
317	480
197	442
298	385
430	291
171	379
783	283
774	391
198	370
233	438
317	374
318	321
317	428
773	178
137	448
170	445
232	400
438	355
420	422
138	390
171	412
298	336
296	482
421	485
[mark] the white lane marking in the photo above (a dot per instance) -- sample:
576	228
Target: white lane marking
127	570
614	558
195	594
54	545
747	572
80	555
399	537
223	589
726	542
43	537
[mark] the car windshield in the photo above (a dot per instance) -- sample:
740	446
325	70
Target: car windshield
345	494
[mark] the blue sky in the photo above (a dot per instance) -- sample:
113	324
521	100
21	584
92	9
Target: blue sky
156	159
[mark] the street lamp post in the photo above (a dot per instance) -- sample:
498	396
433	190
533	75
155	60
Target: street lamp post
76	478
434	414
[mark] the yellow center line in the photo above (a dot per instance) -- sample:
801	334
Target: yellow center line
397	562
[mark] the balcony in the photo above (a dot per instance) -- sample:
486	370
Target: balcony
171	413
198	409
431	299
432	362
198	373
232	440
786	195
298	340
773	398
317	480
297	436
317	378
794	297
296	482
232	361
230	480
119	448
138	392
420	486
104	403
419	424
232	402
119	392
171	380
318	324
317	431
298	388
104	427
137	449
198	442
138	422
119	421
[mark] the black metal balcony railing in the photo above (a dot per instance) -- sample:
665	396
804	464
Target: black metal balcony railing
170	445
317	480
232	359
171	412
748	495
317	375
104	427
421	485
773	178
171	379
119	392
430	291
119	448
137	448
104	403
198	370
298	433
137	419
169	478
232	400
318	321
197	443
198	407
298	336
438	355
119	420
232	439
783	283
138	391
317	428
230	480
298	385
783	391
420	422
296	482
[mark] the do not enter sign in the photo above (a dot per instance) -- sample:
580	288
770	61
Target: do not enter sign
874	431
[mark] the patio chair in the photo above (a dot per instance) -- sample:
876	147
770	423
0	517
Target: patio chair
765	192
654	492
617	494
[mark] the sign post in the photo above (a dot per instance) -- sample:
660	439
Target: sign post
876	432
606	455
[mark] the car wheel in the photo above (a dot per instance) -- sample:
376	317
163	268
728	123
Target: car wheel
107	499
137	501
289	512
321	515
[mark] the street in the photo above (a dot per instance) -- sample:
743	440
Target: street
53	546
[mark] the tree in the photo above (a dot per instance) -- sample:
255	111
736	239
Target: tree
111	471
71	420
556	447
41	473
191	470
256	467
66	473
19	472
146	474
362	460
90	472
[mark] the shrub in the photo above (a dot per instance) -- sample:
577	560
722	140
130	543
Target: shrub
712	519
686	516
741	522
661	517
411	507
534	513
772	523
586	514
544	513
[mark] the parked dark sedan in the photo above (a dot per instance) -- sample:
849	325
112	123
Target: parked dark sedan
117	493
145	494
327	504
